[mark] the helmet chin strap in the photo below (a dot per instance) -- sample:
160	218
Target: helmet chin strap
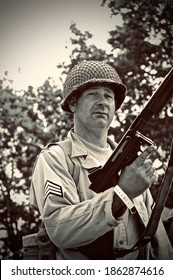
72	104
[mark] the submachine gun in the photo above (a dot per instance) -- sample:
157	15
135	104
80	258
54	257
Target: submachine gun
129	146
124	154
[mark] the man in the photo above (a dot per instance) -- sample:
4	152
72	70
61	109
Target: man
79	221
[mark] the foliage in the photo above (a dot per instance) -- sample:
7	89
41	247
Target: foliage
29	120
81	51
141	53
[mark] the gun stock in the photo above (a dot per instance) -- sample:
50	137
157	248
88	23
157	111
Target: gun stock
129	146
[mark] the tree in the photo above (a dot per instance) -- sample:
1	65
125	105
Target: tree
81	50
29	120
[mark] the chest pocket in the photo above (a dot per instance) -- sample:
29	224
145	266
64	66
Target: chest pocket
74	166
79	168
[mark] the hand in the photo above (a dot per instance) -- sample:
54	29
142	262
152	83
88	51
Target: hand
139	175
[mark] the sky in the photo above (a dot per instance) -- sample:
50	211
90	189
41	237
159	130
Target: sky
35	35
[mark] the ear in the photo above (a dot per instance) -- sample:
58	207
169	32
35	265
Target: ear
72	104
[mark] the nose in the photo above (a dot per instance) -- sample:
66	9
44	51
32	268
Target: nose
102	100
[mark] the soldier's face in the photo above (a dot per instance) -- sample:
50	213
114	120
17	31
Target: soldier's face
95	107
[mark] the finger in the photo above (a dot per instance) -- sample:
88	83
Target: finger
147	165
153	179
141	159
151	171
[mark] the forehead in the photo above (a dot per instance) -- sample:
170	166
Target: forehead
99	87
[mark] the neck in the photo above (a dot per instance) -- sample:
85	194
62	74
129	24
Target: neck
97	137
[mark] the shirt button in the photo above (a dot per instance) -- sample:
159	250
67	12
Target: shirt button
121	242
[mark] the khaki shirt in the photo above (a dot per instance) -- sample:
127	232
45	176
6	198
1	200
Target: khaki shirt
74	215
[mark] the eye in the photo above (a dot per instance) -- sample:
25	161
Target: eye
109	96
92	93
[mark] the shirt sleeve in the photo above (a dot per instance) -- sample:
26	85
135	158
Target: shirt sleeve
69	222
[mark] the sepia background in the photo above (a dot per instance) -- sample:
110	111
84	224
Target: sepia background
40	42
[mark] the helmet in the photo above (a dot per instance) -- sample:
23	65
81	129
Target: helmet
92	72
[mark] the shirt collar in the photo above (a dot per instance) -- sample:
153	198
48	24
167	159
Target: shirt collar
79	149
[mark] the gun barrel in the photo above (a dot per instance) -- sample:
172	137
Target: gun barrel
156	102
161	96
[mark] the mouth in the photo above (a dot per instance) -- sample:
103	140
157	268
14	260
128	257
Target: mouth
101	113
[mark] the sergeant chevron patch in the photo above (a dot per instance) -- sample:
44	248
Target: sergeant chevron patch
52	188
